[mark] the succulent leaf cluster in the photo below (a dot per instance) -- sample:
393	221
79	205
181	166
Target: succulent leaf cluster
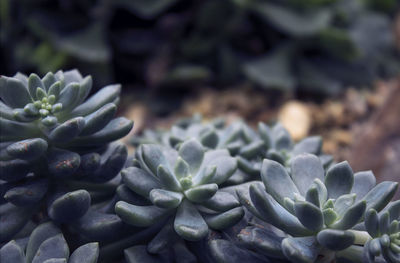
317	209
183	184
55	141
46	244
200	192
385	232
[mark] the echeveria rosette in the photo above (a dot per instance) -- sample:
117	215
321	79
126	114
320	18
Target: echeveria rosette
46	244
281	148
274	143
317	209
385	232
51	158
182	185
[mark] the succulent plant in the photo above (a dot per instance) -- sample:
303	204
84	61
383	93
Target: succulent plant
55	143
182	185
385	232
318	210
46	244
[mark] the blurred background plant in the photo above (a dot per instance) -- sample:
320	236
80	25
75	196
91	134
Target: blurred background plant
306	46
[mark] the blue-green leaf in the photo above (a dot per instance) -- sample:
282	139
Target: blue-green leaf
335	239
305	168
339	180
301	249
189	224
142	216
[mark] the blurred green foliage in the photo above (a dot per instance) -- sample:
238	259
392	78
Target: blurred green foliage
318	46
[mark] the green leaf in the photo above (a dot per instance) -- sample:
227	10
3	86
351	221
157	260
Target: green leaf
68	130
27	149
277	181
339	180
98	119
379	196
69	96
363	183
165	199
201	193
224	220
221	201
221	159
272	212
167	179
181	168
28	193
305	168
271	71
189	224
301	249
261	240
62	163
12	253
351	216
142	216
54	247
312	144
48	80
13	92
114	130
139	181
87	253
335	239
106	95
292	22
192	152
372	223
55	90
309	215
38	236
34	82
70	206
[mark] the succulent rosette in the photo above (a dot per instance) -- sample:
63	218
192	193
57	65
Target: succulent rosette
317	209
55	143
385	232
181	186
46	244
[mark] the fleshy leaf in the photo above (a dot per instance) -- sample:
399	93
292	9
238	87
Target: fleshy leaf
339	179
309	215
300	249
54	247
192	152
189	224
12	253
13	92
142	216
305	168
87	253
225	219
165	199
201	193
70	206
277	181
335	239
139	181
363	183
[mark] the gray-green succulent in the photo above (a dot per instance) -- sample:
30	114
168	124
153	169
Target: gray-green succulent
47	244
55	142
317	209
182	184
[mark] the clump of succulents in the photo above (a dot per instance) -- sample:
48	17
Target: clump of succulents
201	192
182	185
385	232
317	209
55	143
46	244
